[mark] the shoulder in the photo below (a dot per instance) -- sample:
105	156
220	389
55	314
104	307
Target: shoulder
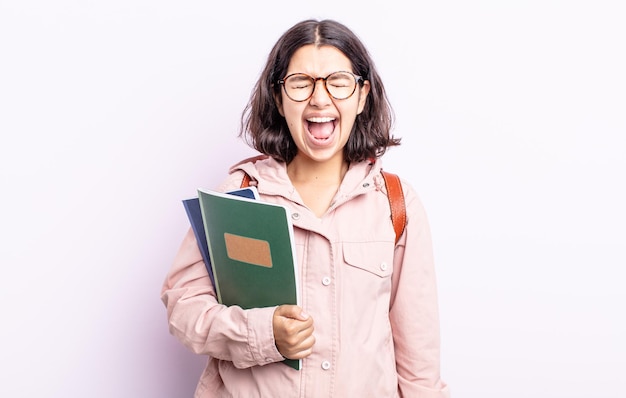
256	168
238	171
412	199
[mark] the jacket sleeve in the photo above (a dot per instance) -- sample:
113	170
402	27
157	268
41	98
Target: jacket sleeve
414	309
204	326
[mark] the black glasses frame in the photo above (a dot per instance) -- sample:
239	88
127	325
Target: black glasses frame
358	80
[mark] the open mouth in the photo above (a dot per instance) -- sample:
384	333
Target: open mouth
321	128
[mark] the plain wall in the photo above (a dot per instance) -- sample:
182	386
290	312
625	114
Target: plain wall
513	123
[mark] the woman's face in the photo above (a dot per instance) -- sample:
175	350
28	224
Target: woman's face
321	125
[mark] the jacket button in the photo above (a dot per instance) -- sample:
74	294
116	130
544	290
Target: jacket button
325	281
383	266
295	216
325	365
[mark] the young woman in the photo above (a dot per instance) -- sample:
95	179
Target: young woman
368	321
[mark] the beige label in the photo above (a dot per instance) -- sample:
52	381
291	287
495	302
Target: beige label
248	250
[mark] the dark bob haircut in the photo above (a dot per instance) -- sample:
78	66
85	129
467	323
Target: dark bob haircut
264	129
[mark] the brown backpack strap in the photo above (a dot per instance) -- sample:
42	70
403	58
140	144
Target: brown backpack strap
396	202
246	180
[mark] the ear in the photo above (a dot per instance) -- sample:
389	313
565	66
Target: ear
363	92
278	100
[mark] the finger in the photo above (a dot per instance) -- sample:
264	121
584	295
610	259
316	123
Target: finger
302	350
292	311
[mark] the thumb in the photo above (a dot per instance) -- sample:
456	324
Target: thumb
292	311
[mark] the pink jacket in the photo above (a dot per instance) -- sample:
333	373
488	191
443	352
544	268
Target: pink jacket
374	304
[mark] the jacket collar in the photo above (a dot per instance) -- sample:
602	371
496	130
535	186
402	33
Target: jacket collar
270	177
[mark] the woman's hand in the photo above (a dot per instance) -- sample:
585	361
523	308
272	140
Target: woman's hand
293	332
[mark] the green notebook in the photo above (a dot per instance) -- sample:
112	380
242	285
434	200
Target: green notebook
252	252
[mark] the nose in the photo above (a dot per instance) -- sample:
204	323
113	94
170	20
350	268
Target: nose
321	96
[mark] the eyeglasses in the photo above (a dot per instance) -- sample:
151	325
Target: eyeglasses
339	85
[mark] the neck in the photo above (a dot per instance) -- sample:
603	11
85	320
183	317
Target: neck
305	170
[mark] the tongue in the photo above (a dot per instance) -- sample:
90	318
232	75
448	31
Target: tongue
321	131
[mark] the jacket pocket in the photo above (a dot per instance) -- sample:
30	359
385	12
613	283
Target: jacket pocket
373	257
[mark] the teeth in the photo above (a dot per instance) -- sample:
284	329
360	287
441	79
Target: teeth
320	119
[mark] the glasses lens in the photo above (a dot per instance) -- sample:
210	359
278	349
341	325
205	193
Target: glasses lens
299	87
341	85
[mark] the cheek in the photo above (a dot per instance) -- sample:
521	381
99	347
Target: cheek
292	112
349	112
292	118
